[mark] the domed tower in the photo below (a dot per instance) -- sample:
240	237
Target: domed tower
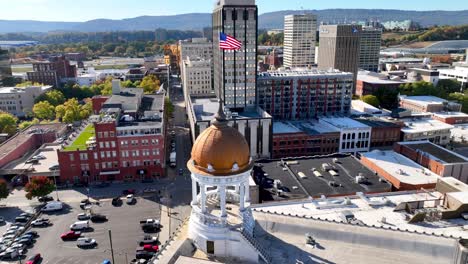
221	223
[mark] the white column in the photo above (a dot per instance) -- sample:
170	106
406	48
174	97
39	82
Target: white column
247	191
253	138
222	200
194	192
242	197
241	126
266	138
203	197
236	188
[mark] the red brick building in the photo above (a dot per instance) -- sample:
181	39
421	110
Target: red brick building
451	118
127	144
439	160
296	139
52	71
384	132
369	82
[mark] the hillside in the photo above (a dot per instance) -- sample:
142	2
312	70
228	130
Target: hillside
266	21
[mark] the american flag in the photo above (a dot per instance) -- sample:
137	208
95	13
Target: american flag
227	42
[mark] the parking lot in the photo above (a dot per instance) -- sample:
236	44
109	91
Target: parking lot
123	222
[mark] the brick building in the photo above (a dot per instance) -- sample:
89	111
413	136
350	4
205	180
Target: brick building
126	144
303	94
307	138
430	104
384	133
439	160
52	71
451	118
369	82
403	173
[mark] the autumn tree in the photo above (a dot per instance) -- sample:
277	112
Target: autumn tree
44	110
38	187
150	84
4	192
26	124
7	123
54	97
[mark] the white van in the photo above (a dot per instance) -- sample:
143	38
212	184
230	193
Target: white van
80	225
52	206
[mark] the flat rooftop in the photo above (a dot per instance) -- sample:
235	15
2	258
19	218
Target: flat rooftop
376	78
437	152
377	122
423	99
298	72
371	215
49	152
80	141
424	125
309	185
400	167
310	127
20	138
450	114
343	122
206	108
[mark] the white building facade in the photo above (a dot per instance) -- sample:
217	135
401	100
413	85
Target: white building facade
196	77
354	136
299	40
19	101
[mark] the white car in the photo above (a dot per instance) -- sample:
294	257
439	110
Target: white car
130	199
85	242
39	157
84	216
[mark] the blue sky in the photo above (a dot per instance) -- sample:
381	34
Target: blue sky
83	10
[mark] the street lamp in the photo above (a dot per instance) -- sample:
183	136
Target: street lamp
55	183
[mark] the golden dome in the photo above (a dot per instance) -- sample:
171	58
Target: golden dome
220	150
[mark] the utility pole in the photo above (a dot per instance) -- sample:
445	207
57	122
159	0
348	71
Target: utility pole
55	183
111	248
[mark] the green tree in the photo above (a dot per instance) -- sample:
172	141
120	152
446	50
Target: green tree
44	110
168	106
7	123
150	84
72	111
28	83
60	112
4	192
449	85
54	97
460	98
86	109
38	187
371	99
128	84
26	124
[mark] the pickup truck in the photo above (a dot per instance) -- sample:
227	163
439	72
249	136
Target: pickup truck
150	224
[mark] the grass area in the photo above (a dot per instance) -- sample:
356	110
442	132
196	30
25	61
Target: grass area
21	69
115	67
80	141
397	35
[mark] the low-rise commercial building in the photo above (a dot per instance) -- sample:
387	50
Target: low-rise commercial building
403	173
19	101
451	118
304	93
126	143
369	82
458	73
253	123
354	136
426	129
384	132
426	103
304	138
439	160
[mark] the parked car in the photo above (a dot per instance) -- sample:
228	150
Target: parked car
70	235
45	199
9	253
116	201
106	261
52	206
24	240
32	233
142	254
148	240
84	203
130	199
20	247
39	157
36	258
21	219
150	224
54	167
83	216
26	214
98	218
151	248
79	225
128	191
32	161
40	223
86	242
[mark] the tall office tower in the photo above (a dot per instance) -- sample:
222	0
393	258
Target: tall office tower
339	48
5	68
299	40
235	71
371	39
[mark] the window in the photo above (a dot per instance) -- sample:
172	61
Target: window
106	134
113	144
107	144
101	144
96	166
114	153
108	154
72	157
95	155
103	154
83	156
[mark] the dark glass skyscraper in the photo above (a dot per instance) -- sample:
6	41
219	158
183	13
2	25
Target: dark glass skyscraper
235	71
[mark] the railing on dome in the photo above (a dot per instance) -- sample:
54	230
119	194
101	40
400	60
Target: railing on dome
231	196
208	220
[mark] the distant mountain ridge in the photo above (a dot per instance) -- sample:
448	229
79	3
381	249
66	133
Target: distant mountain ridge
196	21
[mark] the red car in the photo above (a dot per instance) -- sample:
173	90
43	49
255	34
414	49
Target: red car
34	259
70	235
150	248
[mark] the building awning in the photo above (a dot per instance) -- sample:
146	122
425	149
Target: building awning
109	172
